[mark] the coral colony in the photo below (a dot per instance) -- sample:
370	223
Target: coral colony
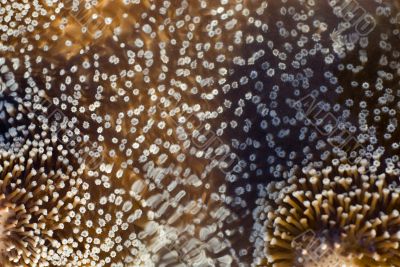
199	133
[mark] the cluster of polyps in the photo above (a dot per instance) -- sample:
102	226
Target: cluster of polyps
350	209
230	66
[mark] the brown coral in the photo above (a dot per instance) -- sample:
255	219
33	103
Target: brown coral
342	212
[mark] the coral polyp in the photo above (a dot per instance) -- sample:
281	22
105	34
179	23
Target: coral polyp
39	196
343	213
